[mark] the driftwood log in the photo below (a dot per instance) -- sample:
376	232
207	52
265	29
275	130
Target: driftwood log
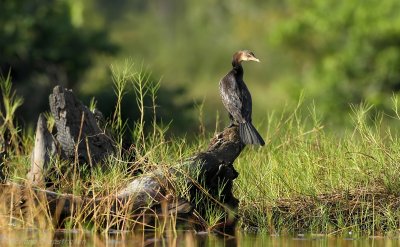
78	137
45	148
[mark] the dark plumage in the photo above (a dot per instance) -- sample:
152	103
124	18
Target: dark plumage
237	99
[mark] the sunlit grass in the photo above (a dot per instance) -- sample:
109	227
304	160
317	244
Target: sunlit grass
308	178
305	165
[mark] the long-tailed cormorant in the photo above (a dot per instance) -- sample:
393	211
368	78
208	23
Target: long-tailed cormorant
237	99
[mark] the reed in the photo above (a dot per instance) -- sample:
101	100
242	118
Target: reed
307	179
310	179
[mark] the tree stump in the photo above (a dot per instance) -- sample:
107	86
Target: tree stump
80	138
217	174
45	148
77	129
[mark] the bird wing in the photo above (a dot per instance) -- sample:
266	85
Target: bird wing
231	97
246	102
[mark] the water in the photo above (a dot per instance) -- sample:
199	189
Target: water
13	237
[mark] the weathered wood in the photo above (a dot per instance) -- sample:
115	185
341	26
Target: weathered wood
44	149
148	193
137	203
217	174
77	127
79	134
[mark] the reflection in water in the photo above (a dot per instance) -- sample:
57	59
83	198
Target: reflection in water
44	238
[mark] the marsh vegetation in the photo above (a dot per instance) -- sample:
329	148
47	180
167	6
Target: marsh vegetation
307	179
325	99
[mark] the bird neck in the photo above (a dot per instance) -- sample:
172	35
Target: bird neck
237	68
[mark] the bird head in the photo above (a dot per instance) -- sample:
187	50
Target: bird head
244	55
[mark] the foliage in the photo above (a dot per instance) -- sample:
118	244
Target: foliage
338	53
186	43
44	43
348	51
40	37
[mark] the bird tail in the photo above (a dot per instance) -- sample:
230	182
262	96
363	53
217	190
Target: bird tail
249	134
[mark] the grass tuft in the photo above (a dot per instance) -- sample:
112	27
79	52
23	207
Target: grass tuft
309	178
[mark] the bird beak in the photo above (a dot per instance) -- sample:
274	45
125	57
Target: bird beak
254	59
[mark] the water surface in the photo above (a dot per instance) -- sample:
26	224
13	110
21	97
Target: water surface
43	238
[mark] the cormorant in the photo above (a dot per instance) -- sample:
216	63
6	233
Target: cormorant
237	99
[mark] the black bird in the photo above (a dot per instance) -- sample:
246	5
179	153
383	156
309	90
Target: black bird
237	99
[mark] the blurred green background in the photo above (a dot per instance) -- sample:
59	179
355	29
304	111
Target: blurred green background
336	53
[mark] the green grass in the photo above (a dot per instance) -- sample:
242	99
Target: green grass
307	179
